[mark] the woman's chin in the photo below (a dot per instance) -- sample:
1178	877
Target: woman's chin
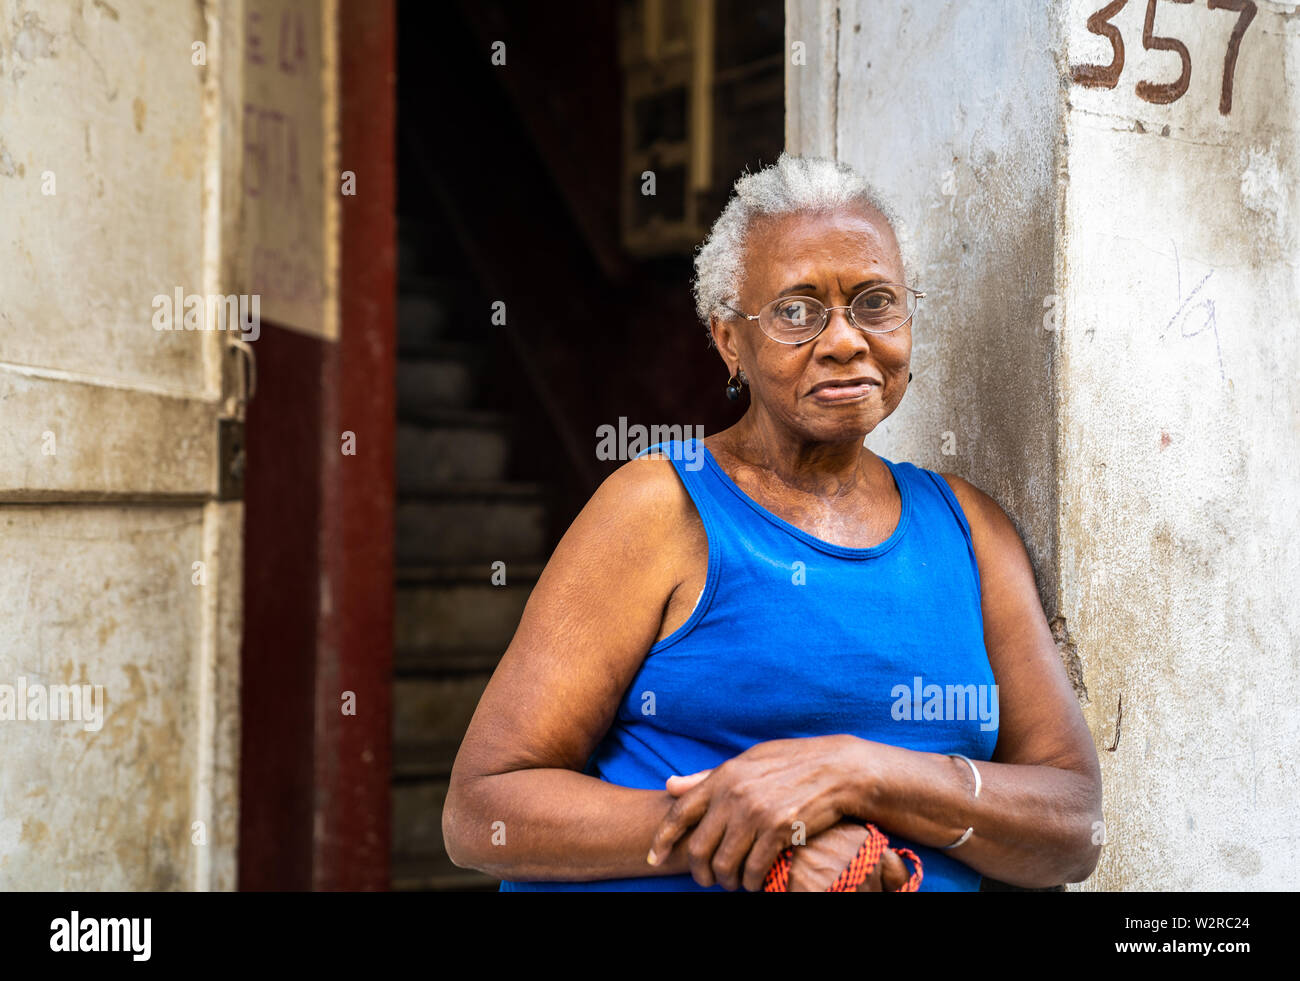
841	425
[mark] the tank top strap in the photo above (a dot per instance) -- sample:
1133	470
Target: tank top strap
942	512
937	486
687	458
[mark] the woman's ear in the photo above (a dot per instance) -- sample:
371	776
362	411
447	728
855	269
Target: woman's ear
723	338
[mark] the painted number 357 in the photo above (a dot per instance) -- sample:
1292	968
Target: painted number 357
1107	76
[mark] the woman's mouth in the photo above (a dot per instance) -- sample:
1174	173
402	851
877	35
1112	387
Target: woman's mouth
847	390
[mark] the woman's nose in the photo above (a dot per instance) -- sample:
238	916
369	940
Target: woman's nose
840	337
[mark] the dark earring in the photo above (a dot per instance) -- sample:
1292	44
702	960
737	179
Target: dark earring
733	388
909	376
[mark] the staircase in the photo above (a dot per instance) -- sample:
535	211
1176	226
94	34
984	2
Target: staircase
458	513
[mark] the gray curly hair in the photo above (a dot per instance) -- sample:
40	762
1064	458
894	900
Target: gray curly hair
789	185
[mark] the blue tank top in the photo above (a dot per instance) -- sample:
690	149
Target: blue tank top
794	636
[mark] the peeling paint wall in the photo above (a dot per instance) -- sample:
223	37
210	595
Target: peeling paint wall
97	598
1111	345
1179	425
108	454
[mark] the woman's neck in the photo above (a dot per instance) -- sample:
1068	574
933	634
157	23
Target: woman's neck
827	469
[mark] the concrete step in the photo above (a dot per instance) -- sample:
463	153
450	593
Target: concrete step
450	447
517	573
422	319
419	858
425	385
423	874
465	528
417	819
408	254
442	663
477	490
435	712
455	614
423	761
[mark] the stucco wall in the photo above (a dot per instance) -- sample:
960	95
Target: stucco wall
1111	340
1178	429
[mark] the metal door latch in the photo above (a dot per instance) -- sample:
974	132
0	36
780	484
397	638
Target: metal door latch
233	459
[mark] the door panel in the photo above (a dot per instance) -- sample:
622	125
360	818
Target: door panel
94	595
119	567
106	111
72	440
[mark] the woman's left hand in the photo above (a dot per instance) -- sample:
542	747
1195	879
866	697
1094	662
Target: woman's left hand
745	811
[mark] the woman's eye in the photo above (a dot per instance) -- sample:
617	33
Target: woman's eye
796	313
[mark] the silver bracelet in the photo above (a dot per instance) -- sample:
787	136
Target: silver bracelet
978	784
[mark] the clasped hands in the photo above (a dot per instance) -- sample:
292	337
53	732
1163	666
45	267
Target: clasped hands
740	815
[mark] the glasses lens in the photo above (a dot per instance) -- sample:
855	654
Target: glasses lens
791	319
883	308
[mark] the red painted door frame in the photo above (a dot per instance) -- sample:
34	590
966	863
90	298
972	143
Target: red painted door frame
318	586
355	639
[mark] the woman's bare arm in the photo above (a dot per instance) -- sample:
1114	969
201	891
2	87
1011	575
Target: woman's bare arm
518	806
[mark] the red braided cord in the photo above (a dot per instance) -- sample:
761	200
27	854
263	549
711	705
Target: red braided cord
862	865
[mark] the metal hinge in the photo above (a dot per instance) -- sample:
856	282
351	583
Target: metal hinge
231	453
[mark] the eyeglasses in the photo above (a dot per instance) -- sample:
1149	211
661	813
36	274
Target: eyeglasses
879	309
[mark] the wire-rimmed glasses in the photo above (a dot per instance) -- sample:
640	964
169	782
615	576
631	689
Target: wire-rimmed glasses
878	309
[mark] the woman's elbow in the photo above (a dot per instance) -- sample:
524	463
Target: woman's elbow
1080	861
456	818
1080	850
1086	864
1074	855
1070	863
451	841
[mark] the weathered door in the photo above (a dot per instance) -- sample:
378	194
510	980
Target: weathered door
120	523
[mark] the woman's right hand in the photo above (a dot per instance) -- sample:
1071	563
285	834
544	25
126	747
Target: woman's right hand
819	863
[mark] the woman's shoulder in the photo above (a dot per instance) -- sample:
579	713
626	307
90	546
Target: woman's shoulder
635	528
978	505
645	493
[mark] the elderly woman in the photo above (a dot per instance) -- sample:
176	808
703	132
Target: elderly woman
742	653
